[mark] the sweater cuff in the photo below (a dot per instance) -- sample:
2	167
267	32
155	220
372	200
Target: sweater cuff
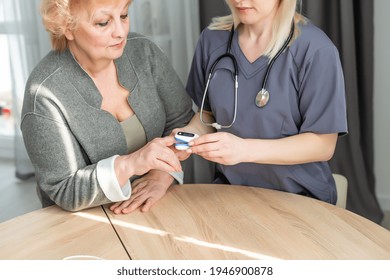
109	182
178	176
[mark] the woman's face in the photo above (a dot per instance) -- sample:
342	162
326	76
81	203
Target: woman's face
251	12
102	30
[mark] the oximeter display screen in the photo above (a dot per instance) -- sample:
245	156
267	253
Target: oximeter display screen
186	134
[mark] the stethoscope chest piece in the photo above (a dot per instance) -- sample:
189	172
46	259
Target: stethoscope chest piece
262	98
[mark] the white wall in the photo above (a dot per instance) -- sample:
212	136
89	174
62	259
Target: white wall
382	101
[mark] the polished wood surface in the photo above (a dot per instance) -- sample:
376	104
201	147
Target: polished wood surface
235	222
54	234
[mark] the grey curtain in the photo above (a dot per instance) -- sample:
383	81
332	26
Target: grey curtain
349	23
209	9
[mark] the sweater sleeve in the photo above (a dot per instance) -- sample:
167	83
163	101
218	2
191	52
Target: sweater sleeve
62	169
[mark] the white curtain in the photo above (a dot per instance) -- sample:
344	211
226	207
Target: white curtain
171	24
28	43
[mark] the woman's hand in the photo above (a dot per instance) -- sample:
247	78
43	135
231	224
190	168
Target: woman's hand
146	191
156	154
194	126
220	147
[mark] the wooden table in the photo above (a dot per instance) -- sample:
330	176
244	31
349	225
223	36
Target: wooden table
235	222
200	222
53	233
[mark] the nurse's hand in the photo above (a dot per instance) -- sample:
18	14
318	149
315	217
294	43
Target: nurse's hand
146	191
220	147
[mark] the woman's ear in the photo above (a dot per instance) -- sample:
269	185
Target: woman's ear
69	35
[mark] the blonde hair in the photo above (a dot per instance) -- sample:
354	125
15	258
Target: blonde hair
57	17
285	15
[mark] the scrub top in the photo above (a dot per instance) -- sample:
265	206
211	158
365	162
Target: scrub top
307	94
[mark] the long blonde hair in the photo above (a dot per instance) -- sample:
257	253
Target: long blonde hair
285	15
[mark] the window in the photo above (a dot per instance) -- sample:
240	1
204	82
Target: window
7	130
6	120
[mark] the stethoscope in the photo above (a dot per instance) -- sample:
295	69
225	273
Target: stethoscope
262	96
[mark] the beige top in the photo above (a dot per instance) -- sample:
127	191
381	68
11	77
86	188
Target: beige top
134	132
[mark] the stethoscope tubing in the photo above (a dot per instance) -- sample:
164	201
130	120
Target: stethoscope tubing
228	54
215	124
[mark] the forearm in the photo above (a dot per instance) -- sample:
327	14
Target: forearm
297	149
196	126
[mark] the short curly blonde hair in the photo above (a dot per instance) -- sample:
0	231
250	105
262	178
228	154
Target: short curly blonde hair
57	17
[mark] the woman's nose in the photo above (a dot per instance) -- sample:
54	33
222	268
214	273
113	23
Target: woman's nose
119	29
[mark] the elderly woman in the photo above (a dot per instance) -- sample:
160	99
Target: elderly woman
96	108
272	84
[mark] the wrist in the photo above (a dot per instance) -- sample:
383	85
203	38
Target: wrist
123	169
247	153
162	176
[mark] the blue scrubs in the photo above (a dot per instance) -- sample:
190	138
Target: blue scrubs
307	94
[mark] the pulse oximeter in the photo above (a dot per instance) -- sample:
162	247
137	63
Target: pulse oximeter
182	138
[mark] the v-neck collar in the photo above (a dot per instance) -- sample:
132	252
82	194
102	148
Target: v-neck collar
84	84
247	68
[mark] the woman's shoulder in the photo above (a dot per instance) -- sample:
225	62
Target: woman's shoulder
137	40
54	73
46	74
311	41
45	67
218	35
138	46
211	39
312	37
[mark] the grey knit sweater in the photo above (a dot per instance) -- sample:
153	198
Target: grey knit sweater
72	142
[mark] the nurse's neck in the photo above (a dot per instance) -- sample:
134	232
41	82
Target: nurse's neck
254	40
256	33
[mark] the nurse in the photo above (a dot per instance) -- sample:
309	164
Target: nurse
276	124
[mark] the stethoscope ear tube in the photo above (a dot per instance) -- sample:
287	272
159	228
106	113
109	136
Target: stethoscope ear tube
263	95
282	49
